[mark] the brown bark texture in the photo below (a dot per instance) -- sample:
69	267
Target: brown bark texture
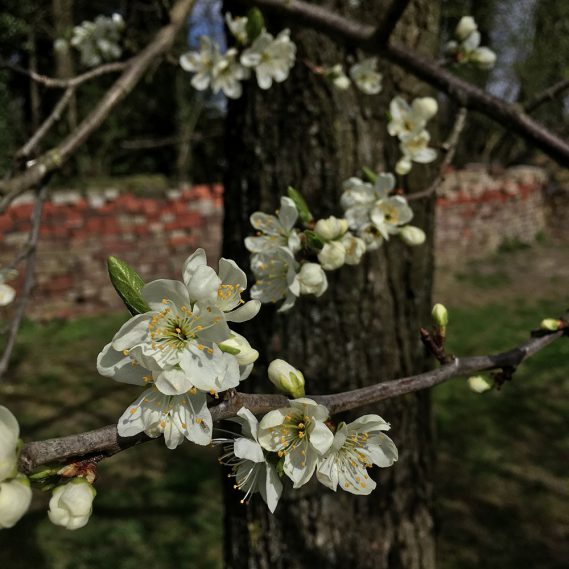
306	134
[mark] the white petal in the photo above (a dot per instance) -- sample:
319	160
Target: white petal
245	312
173	382
155	291
230	273
196	259
132	332
288	214
321	437
248	449
114	364
250	424
272	489
204	284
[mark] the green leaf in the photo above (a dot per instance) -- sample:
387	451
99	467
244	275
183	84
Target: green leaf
128	284
369	174
313	240
301	205
255	24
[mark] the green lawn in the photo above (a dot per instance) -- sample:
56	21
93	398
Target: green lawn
502	481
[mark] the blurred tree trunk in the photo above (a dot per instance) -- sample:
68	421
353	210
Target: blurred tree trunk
364	329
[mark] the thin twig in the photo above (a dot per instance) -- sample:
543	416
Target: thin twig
106	442
450	147
53	83
30	252
547	95
26	150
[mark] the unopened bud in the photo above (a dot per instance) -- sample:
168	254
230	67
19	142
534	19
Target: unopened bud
425	107
551	324
331	228
71	505
465	27
15	498
440	315
479	384
332	256
483	58
412	236
239	346
286	378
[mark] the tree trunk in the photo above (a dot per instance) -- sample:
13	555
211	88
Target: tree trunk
363	329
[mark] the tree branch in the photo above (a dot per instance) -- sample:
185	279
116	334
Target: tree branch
547	95
56	157
105	442
450	147
467	95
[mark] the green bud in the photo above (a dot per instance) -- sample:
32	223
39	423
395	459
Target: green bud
550	324
255	24
369	174
440	315
128	284
479	384
301	205
286	378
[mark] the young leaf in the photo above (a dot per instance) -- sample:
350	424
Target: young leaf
255	24
128	284
313	240
369	174
301	205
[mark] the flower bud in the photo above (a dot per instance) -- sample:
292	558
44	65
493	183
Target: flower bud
478	384
71	505
312	279
241	349
332	256
440	315
337	77
331	228
425	107
465	27
7	294
550	324
483	58
403	166
286	378
15	498
354	247
9	433
412	236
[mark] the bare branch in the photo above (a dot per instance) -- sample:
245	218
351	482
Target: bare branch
29	253
45	127
53	83
450	147
548	95
467	95
105	442
56	157
392	16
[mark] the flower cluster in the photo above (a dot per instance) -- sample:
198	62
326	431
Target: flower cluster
97	41
300	441
288	261
15	491
7	293
364	74
408	123
270	58
182	351
465	47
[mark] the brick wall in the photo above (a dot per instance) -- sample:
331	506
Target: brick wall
475	213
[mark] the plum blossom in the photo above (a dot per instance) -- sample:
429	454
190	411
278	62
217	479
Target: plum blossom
246	356
412	236
15	499
390	214
299	434
357	446
332	256
337	77
406	119
275	230
354	248
252	470
465	48
415	148
9	436
7	293
271	58
286	378
71	505
331	228
366	77
312	279
238	27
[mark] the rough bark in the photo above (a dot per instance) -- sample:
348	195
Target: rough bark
305	134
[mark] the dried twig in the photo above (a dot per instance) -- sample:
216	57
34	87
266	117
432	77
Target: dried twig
105	442
548	94
450	148
29	253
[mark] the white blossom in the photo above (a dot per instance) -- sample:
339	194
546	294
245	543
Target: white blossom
276	278
364	74
465	27
390	214
246	457
238	27
15	499
331	228
9	436
412	236
227	75
337	76
71	505
271	58
7	293
246	355
299	434
415	148
479	384
275	230
286	378
483	58
174	416
466	47
357	446
406	119
332	256
354	247
358	193
98	41
312	279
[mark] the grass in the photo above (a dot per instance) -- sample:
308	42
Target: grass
502	485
